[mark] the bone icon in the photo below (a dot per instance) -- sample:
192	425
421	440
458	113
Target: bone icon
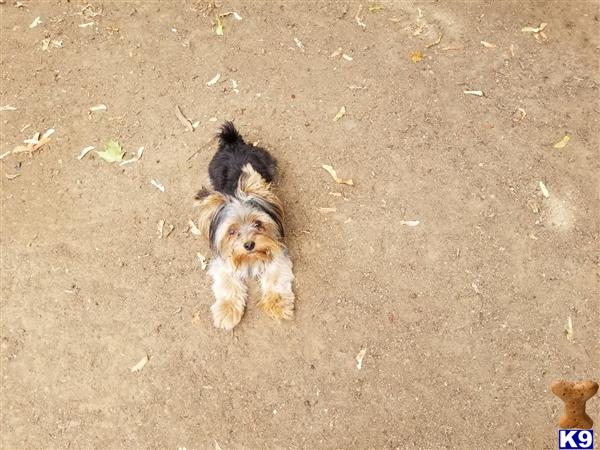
575	395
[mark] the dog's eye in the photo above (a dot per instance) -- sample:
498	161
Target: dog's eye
257	224
232	231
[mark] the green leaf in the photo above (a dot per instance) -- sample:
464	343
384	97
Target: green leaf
112	152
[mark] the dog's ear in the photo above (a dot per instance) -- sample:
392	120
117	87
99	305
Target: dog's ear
210	204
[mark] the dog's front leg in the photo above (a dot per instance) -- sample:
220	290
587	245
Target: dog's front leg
230	295
276	283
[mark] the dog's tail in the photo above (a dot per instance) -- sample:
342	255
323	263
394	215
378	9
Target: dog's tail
229	135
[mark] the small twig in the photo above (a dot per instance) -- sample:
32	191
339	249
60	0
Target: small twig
184	120
201	148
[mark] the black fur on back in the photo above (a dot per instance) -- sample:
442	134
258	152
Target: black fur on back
233	154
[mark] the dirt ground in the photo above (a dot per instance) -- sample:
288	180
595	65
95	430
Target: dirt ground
462	316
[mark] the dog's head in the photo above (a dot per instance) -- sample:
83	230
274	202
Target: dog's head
247	227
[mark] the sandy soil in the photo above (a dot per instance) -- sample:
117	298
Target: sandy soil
462	316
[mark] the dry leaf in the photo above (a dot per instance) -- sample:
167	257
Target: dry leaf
358	18
140	365
360	357
231	13
523	114
416	56
159	228
338	180
544	189
569	329
299	43
218	26
410	223
477	93
12	176
137	157
217	446
7	108
337	53
347	57
340	114
534	29
214	80
202	260
395	19
488	44
85	151
35	22
436	42
85	25
194	229
100	107
374	8
159	186
563	142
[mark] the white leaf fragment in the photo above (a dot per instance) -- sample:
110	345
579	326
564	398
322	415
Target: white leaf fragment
140	365
157	185
214	80
410	223
544	190
85	151
7	108
193	228
202	260
299	43
35	22
100	107
341	113
477	93
360	357
137	157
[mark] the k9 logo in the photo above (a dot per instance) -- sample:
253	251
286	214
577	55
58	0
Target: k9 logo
575	439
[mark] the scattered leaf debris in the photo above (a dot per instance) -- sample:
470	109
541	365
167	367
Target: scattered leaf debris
340	114
569	329
375	7
217	446
85	151
544	190
347	57
416	56
563	142
436	42
214	80
160	228
12	176
35	22
85	25
187	123
477	93
534	29
358	18
138	155
202	260
231	13
7	108
112	152
157	185
299	43
488	44
140	365
218	26
100	107
522	115
337	179
360	357
410	223
193	228
336	53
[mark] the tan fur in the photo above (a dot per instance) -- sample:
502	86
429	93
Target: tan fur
252	183
209	205
277	305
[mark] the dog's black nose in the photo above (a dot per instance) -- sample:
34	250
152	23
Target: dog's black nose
249	245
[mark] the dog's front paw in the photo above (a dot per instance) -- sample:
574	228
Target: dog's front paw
226	314
277	305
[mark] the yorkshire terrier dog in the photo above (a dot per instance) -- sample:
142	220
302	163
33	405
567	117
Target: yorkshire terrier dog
243	221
